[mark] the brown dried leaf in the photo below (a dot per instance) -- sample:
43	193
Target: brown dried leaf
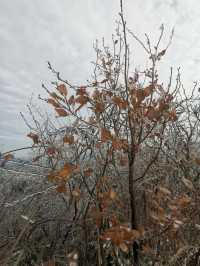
53	102
87	172
184	201
140	95
124	247
105	135
81	99
61	188
51	151
124	161
62	89
197	161
81	91
153	114
99	107
8	157
172	115
163	106
61	112
76	193
119	144
69	139
66	171
121	103
148	90
51	176
112	194
34	137
146	249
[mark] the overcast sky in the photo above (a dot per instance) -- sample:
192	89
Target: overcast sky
63	31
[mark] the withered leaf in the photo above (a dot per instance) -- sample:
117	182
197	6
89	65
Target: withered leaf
53	102
61	112
140	95
76	193
112	194
81	91
153	114
121	103
34	137
146	249
82	99
99	107
8	157
124	247
183	201
119	144
66	171
62	89
61	188
124	161
197	161
87	172
51	176
69	139
173	115
51	151
148	90
105	135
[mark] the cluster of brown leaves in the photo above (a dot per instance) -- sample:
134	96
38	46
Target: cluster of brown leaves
121	236
168	210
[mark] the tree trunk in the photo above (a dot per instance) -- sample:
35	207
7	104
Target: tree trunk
133	211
